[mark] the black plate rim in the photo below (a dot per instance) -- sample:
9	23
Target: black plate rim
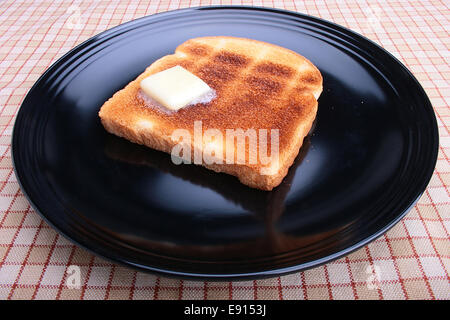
247	275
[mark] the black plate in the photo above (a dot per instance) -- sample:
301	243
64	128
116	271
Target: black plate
370	157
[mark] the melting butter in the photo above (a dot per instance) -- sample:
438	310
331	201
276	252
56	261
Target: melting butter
176	88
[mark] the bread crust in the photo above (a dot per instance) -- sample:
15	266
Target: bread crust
258	86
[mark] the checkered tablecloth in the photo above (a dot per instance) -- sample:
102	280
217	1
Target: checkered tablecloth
411	261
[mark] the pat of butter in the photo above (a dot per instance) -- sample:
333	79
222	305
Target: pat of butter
174	88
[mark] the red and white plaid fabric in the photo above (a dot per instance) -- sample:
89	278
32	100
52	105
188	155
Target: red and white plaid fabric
411	261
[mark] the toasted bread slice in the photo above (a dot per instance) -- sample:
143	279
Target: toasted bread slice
258	86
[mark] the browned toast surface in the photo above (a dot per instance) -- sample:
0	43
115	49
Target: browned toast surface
258	85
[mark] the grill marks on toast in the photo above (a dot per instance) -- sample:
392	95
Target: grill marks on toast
264	86
257	87
224	68
198	49
231	59
216	76
227	67
209	72
274	69
232	76
256	84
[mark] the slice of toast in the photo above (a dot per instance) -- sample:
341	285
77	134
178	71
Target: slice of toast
258	86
